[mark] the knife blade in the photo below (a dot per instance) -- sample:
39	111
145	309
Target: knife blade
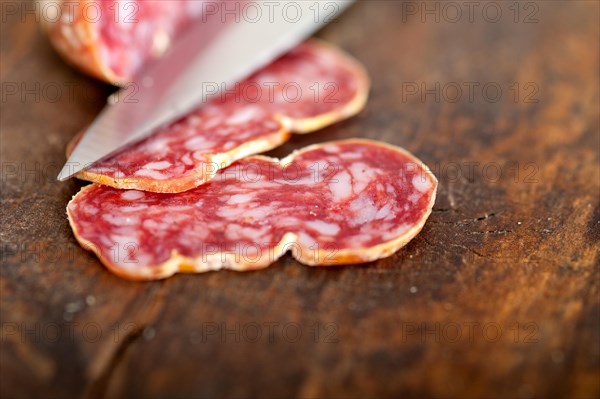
175	84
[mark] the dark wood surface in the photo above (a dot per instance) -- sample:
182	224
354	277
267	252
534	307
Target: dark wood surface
497	297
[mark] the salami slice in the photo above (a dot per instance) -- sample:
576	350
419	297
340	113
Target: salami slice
112	40
341	202
310	87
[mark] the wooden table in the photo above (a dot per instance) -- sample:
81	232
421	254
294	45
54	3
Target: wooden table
497	297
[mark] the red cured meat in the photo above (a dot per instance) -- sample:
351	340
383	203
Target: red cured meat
312	86
111	40
341	202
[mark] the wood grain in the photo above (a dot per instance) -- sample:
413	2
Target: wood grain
497	297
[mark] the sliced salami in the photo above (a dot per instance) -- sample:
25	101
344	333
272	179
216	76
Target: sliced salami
111	40
312	86
342	202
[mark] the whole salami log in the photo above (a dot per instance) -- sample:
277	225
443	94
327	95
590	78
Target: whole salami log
111	40
342	202
312	86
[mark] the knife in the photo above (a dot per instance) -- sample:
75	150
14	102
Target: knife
175	84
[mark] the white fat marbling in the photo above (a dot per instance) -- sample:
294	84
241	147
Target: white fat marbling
325	228
421	183
132	195
341	186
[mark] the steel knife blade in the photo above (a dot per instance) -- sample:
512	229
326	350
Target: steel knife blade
176	83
